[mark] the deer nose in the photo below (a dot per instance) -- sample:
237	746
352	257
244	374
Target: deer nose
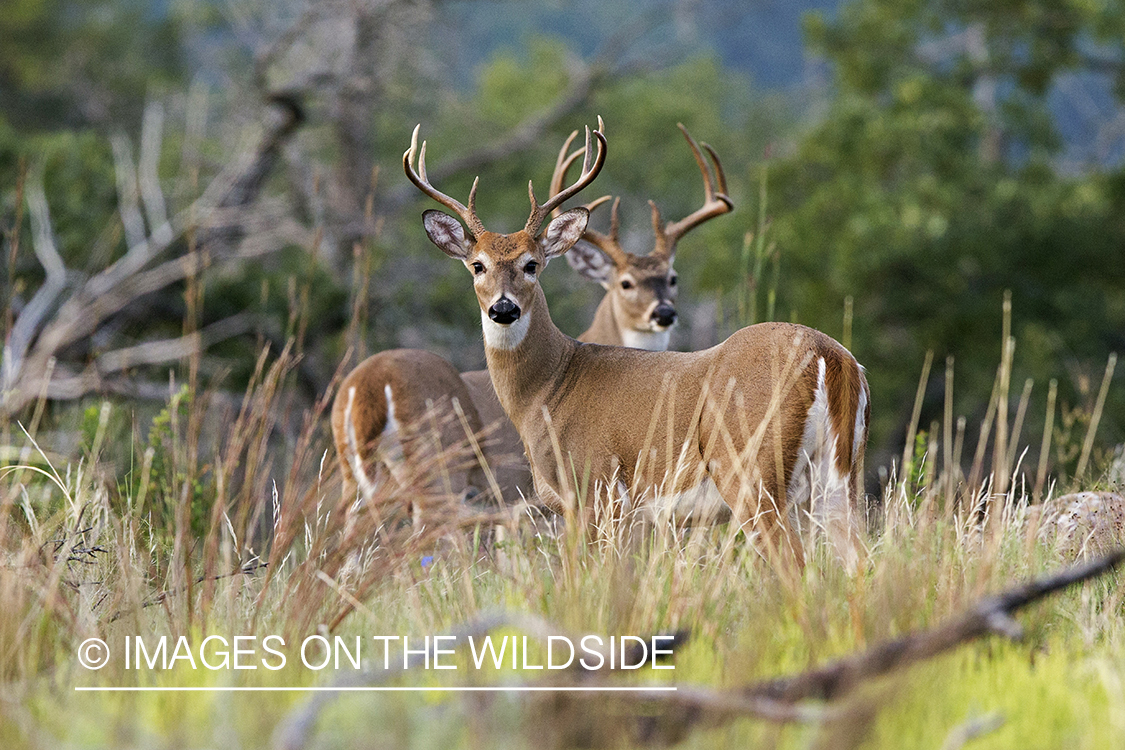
505	312
664	315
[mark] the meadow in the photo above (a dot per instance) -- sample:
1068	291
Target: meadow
204	225
192	532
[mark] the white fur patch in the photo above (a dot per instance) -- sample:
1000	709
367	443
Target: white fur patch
815	479
505	338
390	442
818	493
860	426
699	504
653	341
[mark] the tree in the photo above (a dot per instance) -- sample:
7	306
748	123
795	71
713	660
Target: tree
931	185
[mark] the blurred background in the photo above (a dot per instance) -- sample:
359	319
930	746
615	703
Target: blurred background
184	183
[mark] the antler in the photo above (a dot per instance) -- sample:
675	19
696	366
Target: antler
468	215
714	203
608	244
589	172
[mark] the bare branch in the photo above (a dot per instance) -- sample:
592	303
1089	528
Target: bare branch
127	198
989	616
166	350
152	135
126	280
93	378
27	326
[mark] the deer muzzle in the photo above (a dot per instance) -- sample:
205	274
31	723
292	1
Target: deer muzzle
664	315
504	311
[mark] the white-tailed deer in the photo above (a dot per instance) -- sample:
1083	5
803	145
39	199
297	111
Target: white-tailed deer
773	419
393	388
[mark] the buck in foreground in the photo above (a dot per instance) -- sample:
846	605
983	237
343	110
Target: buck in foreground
403	398
773	420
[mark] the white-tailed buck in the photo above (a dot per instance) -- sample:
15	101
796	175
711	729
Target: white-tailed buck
773	419
399	392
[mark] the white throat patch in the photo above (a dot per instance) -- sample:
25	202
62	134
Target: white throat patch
653	341
504	338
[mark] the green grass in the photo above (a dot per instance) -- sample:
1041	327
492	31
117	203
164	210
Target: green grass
1063	685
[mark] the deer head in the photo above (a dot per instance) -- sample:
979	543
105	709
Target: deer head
642	288
505	267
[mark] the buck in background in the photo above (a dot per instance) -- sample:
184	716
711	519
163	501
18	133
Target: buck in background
403	398
772	422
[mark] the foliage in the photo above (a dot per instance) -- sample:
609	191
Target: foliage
928	189
74	63
172	487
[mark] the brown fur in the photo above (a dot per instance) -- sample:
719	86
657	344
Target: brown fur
421	384
657	423
429	377
601	400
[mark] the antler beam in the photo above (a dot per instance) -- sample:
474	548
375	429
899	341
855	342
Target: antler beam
608	244
714	203
467	214
589	172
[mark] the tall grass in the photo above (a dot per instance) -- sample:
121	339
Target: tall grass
225	519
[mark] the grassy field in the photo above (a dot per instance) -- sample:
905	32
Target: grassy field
204	523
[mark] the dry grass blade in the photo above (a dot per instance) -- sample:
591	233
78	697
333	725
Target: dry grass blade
1095	419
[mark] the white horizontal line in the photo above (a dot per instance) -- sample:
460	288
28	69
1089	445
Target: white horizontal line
377	689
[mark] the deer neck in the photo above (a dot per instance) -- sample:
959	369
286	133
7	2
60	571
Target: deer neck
608	328
605	328
525	371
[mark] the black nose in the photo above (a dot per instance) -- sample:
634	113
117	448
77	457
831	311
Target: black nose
664	315
505	312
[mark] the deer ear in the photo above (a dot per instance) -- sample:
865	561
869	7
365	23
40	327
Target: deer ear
447	233
563	232
590	263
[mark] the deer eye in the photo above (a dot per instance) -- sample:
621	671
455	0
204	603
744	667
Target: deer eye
531	267
672	281
626	284
478	267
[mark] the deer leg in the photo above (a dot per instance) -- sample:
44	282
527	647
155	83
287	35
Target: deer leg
757	511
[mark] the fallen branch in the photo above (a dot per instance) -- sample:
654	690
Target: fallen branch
664	718
992	615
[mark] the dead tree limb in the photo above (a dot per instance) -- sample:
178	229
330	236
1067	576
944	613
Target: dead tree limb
39	337
664	718
992	615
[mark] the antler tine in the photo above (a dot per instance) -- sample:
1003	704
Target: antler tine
607	243
563	162
718	171
467	214
562	166
714	203
589	172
